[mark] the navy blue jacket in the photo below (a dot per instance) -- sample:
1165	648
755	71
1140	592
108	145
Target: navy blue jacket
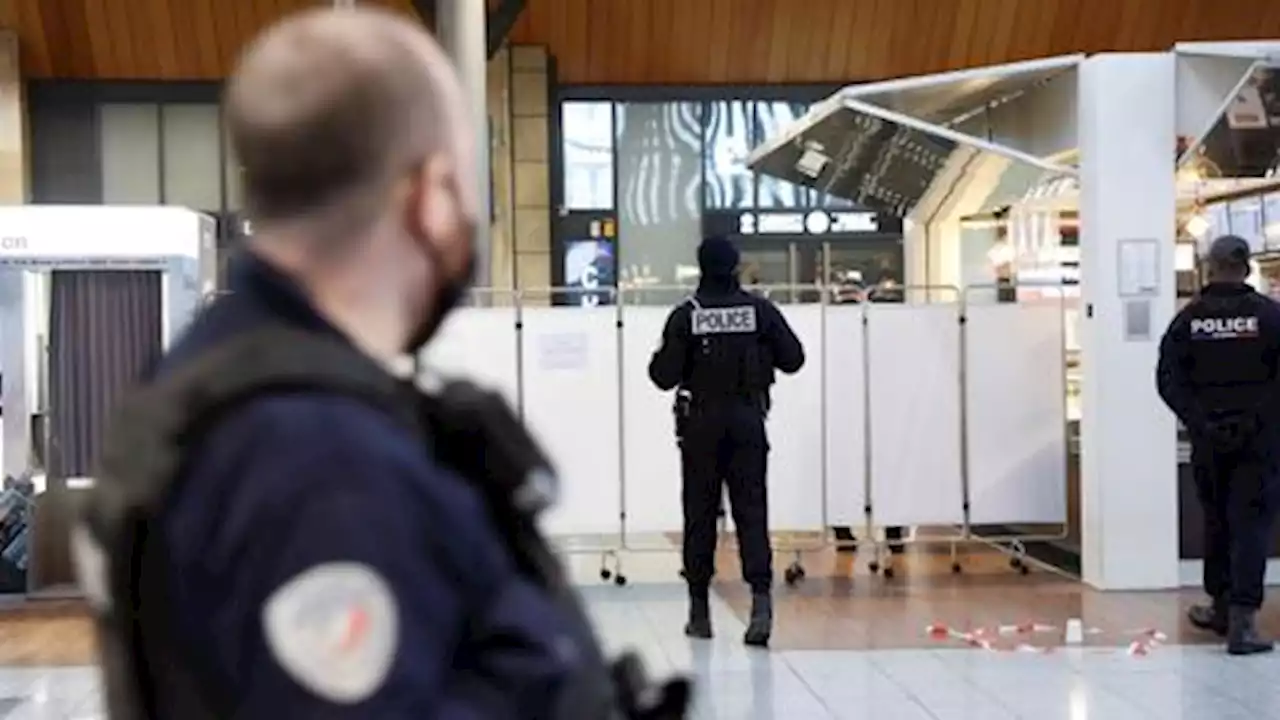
288	483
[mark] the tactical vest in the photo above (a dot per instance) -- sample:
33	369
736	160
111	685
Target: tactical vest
726	355
122	556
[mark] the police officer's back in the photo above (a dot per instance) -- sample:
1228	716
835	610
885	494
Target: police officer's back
720	348
1219	372
286	530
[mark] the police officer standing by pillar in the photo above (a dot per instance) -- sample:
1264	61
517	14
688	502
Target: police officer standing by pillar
285	528
719	351
1219	372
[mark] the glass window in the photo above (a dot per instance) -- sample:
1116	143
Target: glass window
130	153
1246	221
587	128
772	119
192	155
1271	220
659	192
729	139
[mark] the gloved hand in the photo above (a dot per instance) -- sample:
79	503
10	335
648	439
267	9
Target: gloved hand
478	434
644	700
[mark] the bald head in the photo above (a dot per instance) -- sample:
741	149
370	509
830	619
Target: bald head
328	109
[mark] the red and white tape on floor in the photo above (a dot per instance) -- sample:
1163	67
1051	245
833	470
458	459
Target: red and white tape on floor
1016	638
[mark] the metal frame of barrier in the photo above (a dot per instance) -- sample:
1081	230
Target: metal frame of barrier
882	556
1012	544
612	554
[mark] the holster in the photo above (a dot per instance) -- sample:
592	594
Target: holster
681	409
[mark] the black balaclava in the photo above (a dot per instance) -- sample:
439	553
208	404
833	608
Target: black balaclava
718	263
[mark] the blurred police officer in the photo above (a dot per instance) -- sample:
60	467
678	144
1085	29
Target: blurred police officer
720	348
1219	371
285	530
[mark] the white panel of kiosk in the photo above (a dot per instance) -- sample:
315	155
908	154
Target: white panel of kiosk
36	240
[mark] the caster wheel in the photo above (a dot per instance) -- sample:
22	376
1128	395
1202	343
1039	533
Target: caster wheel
888	573
620	580
793	575
1015	563
874	568
1022	568
605	574
956	569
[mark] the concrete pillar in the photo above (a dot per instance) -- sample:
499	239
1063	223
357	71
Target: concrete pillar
1129	487
531	170
462	27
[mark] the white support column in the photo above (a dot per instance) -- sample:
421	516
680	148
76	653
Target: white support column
462	27
1129	486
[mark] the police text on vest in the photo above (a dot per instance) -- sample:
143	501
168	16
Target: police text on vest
724	321
1227	328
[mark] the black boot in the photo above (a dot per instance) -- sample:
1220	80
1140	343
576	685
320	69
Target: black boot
761	625
1210	618
1242	633
699	625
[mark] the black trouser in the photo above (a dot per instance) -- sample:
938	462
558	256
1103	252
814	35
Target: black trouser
1237	491
725	444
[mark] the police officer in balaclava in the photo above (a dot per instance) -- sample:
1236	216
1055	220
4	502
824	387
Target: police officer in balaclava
719	351
1219	372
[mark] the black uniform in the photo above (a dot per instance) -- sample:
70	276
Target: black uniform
720	348
1219	370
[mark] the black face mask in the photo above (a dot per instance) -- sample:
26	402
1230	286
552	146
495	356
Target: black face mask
452	291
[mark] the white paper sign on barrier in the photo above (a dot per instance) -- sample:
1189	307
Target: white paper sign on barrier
913	377
478	344
1016	402
651	461
845	416
571	405
795	431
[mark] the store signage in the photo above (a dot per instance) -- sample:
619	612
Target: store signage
814	222
13	242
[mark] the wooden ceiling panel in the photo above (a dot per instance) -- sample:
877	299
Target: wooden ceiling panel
152	40
821	41
658	41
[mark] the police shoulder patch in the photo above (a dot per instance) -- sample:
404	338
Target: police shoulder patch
335	630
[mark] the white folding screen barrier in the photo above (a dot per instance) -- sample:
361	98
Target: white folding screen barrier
571	404
1016	407
913	377
651	459
880	392
479	344
845	429
796	472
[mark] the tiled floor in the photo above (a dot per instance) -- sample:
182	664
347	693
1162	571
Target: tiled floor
847	645
734	683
